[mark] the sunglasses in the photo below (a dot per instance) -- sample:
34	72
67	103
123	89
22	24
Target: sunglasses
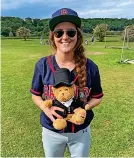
59	33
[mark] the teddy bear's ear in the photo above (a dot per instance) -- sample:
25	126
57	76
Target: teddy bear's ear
74	87
53	89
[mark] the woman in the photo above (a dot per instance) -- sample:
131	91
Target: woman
66	39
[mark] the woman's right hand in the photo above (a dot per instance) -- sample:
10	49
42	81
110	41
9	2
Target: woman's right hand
50	112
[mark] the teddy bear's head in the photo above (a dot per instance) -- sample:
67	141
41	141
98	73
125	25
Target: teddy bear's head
64	87
64	93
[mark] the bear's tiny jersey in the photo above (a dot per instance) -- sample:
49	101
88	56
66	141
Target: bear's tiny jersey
43	80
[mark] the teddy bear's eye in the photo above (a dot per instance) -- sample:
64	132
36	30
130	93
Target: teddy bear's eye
66	89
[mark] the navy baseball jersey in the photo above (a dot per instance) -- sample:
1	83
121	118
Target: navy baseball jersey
43	80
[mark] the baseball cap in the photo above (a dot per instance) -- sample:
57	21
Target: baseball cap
64	15
62	77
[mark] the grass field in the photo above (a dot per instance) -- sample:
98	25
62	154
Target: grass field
113	126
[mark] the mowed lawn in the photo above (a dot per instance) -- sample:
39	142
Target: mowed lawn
112	129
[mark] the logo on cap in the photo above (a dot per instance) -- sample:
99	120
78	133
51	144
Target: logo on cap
63	12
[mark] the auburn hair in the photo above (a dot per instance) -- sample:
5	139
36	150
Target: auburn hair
79	57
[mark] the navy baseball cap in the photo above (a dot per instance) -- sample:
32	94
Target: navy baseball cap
64	15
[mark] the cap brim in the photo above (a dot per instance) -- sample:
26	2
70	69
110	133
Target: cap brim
63	84
64	18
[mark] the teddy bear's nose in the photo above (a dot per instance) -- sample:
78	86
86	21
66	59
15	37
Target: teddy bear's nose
62	93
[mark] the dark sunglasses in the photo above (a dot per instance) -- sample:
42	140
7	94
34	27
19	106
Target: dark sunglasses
59	33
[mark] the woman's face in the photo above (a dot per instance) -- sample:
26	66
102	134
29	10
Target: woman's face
65	37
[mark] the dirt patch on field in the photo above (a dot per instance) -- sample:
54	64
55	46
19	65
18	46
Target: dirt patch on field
95	53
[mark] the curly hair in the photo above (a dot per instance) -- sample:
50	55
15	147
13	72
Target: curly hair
79	56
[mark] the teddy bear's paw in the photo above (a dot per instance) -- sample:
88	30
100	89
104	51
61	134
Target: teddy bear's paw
81	112
78	120
77	110
79	116
59	124
48	103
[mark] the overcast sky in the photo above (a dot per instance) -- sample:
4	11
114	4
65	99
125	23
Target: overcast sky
85	8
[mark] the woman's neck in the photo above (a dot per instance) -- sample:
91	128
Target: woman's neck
65	60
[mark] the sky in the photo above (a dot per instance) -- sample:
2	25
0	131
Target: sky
43	9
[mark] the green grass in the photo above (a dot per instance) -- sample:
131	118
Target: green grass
113	125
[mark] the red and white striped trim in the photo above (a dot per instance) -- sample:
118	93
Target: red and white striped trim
98	95
35	91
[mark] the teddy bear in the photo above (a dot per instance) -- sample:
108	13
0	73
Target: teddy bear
64	91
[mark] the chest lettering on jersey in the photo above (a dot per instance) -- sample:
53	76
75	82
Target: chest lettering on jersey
48	92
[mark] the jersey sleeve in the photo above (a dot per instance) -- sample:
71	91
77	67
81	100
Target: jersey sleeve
96	90
37	85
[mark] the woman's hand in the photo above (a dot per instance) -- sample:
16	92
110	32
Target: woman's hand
50	112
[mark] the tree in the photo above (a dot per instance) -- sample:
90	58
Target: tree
42	25
100	31
5	31
36	22
46	31
23	32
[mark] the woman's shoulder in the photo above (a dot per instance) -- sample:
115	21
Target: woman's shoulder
41	61
91	64
41	64
91	67
44	60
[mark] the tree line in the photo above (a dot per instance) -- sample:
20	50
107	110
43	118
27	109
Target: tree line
38	27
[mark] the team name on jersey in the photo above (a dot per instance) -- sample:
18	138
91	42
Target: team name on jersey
48	92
